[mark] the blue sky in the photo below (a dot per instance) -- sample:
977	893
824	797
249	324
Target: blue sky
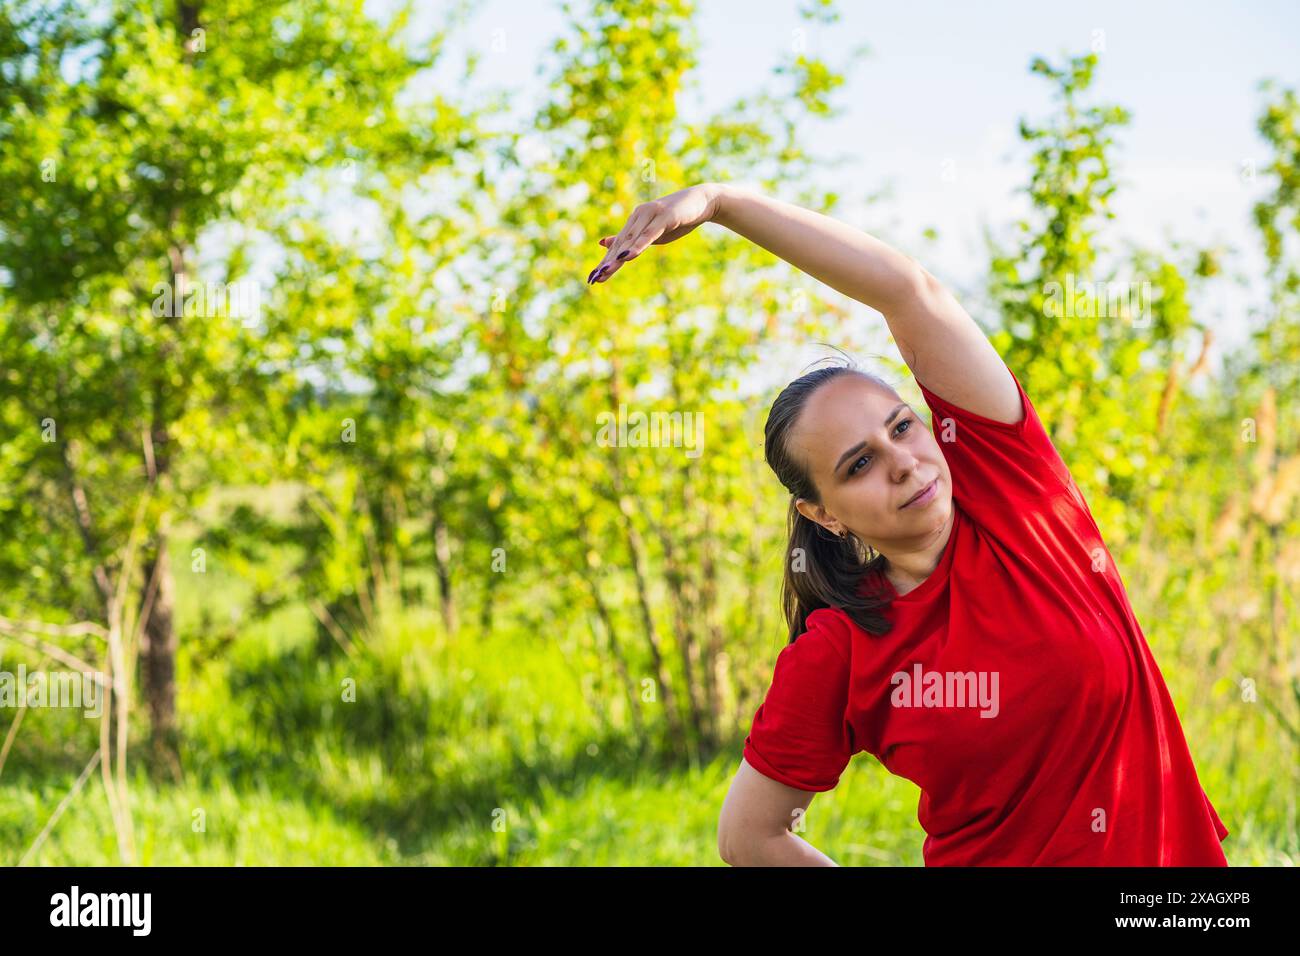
945	85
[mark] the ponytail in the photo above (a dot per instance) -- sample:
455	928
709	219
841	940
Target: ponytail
822	570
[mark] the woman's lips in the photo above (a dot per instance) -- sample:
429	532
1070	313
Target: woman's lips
925	496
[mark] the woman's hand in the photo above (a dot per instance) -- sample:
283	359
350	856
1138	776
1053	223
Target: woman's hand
657	222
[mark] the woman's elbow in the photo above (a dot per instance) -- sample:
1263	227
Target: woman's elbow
726	845
732	850
735	842
743	844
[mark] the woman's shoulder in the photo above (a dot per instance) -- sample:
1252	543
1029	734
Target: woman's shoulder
828	628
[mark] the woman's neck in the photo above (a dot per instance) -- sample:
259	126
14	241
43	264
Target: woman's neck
908	569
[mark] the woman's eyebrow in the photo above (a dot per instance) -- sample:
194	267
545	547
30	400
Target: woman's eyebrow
862	444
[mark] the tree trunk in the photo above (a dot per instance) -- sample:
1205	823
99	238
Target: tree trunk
680	739
683	613
442	568
158	645
714	653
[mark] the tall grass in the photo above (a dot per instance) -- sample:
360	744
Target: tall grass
486	750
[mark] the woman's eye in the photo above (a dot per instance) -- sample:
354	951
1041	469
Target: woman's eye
854	469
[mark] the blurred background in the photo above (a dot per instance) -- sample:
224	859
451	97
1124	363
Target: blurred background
302	396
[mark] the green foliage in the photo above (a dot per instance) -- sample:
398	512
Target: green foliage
391	483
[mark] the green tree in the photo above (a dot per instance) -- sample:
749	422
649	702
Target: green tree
1096	338
656	547
151	149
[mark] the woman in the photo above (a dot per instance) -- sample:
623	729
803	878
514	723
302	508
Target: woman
953	610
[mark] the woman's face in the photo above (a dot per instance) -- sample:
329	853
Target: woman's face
869	453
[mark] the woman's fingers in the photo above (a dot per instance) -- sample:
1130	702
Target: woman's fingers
606	242
641	229
650	232
611	263
608	266
658	221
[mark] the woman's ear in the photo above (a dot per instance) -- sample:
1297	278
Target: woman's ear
814	513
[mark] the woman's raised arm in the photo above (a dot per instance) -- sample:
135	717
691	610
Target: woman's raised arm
938	340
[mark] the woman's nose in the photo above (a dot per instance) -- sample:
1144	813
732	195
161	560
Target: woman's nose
906	463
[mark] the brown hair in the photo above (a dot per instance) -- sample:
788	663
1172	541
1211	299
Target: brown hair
832	567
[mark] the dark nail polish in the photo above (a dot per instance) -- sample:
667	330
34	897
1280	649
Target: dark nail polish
623	254
591	275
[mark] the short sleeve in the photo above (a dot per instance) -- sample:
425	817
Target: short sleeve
995	462
800	735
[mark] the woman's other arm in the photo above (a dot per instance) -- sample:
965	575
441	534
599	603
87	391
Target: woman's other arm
938	340
754	825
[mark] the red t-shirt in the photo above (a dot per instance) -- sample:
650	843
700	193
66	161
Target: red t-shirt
1065	749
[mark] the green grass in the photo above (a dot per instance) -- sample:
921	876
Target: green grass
480	751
